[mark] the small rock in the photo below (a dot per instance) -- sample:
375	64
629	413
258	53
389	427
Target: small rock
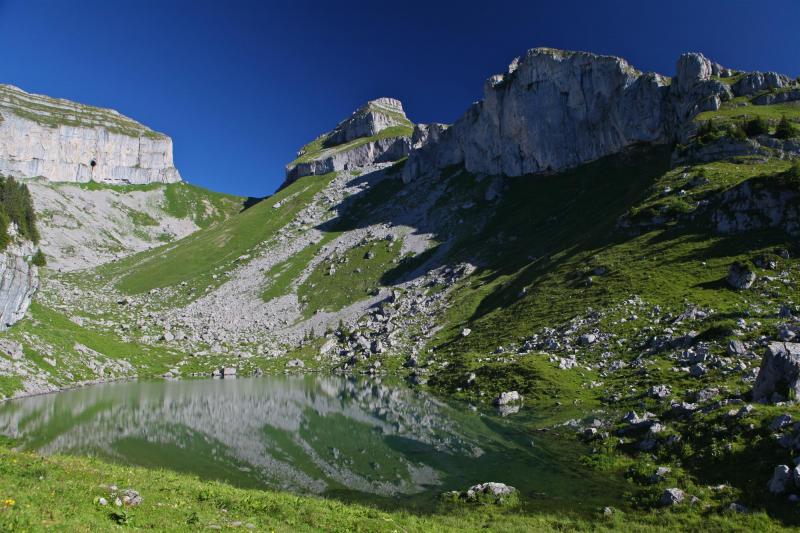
672	497
781	421
506	398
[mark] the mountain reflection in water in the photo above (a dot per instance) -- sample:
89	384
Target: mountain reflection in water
354	438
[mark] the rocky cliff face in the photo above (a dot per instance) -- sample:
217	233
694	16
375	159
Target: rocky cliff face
368	120
377	132
65	141
18	282
554	110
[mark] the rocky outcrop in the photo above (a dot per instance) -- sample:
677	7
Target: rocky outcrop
379	151
759	81
757	204
368	120
426	133
777	97
66	141
779	376
357	142
18	282
553	110
693	91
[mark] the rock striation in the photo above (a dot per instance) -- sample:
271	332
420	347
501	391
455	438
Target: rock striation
66	141
19	280
556	109
378	151
377	132
368	120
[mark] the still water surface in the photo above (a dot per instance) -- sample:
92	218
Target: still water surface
352	439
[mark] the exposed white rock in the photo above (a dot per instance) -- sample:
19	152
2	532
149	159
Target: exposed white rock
557	109
353	143
368	120
18	282
82	228
66	141
340	158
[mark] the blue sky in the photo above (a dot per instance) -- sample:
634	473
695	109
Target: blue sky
240	85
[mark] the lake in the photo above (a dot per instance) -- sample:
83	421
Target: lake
355	439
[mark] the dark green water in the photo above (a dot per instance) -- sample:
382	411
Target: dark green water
352	439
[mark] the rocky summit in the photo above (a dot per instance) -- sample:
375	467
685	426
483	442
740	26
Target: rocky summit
592	258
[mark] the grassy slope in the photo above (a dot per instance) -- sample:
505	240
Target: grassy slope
181	200
60	493
203	254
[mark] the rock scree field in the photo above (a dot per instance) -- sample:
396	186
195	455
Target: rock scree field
573	309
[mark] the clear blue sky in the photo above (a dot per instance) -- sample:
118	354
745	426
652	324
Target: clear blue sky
241	85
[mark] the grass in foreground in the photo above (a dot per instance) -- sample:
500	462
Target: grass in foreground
61	493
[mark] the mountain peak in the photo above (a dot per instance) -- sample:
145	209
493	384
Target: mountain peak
368	120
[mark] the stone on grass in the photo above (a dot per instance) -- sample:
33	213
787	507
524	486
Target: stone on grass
506	398
779	375
740	276
672	497
486	493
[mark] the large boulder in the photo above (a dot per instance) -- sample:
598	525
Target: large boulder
486	493
779	375
740	276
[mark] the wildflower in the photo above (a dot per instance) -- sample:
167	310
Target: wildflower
9	502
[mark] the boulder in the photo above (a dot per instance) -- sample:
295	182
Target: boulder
509	397
779	375
740	276
736	347
295	363
673	496
492	493
781	477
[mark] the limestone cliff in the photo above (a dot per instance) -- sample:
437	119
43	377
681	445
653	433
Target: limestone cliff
66	141
555	109
377	132
19	280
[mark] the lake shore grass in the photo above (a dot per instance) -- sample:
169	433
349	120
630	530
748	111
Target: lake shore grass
63	493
